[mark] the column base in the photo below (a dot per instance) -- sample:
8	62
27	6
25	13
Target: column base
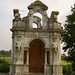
19	62
12	69
18	69
57	70
48	69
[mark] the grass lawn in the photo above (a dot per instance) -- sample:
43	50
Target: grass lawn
7	59
65	62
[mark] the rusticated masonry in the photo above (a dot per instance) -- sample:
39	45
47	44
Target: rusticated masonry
36	40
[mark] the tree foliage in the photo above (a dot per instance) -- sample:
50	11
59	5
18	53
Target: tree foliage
3	52
68	37
63	57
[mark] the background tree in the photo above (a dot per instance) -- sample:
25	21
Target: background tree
63	57
68	37
3	52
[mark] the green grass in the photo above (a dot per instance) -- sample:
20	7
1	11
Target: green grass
6	59
65	62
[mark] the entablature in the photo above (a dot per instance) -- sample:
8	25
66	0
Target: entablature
36	30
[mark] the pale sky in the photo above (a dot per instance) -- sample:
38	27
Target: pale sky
6	15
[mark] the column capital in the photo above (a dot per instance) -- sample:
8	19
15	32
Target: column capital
47	49
26	48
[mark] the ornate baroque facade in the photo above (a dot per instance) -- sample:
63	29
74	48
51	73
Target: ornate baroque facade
36	42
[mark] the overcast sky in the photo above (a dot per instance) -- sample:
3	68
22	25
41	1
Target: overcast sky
6	15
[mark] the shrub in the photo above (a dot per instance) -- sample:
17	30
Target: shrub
67	70
4	67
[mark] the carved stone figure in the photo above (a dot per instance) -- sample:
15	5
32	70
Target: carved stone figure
55	46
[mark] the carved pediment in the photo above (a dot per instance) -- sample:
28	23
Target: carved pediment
37	3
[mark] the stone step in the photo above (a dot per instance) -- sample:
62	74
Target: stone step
35	74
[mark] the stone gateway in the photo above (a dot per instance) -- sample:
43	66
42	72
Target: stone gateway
36	40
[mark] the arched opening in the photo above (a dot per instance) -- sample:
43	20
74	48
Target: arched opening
34	25
38	14
36	56
37	20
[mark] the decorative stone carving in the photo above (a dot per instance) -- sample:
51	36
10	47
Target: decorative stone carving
16	15
18	46
55	46
43	6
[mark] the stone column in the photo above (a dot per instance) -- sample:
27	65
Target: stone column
12	55
27	58
46	50
60	52
27	49
46	57
51	57
14	49
46	66
26	67
42	21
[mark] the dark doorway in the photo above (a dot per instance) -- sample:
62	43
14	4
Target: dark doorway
36	56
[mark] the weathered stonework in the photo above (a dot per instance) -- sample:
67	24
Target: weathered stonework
48	32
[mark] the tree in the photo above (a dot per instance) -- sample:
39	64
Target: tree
63	57
68	37
3	52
